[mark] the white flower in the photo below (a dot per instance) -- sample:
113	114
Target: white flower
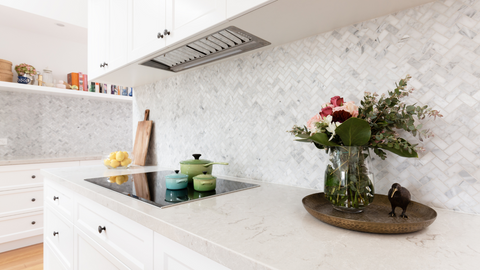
331	125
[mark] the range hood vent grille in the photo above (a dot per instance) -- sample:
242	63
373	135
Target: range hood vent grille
222	44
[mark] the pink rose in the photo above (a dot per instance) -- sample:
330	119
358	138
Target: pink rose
336	101
312	122
326	111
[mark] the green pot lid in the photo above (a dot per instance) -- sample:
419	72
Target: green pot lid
204	176
176	175
197	160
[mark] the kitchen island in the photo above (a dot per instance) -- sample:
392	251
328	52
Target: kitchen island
268	228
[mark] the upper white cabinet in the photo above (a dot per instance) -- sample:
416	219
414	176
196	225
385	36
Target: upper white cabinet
188	17
235	7
146	27
107	35
97	36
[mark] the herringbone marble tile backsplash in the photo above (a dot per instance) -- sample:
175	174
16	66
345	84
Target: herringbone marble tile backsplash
39	126
239	110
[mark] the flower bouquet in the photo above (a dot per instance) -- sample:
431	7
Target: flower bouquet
347	132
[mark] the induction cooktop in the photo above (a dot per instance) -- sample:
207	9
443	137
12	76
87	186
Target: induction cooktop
150	188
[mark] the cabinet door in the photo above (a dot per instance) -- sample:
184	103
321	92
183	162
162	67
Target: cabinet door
170	255
117	34
97	36
51	260
188	17
91	256
58	233
146	27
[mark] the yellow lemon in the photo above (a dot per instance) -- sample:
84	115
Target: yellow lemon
126	161
120	156
120	180
112	155
125	154
112	179
114	163
106	161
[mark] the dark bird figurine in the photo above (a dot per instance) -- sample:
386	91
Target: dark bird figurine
399	196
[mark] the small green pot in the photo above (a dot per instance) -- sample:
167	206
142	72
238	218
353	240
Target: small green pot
196	166
204	182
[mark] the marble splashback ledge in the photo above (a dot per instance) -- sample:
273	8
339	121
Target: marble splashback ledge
239	110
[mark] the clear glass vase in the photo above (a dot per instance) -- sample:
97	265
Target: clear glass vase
348	179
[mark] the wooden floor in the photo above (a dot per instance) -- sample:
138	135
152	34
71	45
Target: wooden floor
30	258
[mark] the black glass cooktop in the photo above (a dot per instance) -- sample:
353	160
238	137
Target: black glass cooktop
150	188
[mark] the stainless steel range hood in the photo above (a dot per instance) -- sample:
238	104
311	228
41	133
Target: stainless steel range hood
219	45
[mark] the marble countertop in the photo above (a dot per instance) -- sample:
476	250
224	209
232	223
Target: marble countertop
36	160
268	228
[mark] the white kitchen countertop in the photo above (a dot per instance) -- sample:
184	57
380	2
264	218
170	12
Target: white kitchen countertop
37	160
268	228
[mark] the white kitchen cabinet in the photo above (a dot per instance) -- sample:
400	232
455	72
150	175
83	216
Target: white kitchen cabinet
97	36
146	26
170	255
119	243
22	201
107	35
188	17
235	7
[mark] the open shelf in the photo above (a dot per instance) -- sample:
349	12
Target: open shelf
25	88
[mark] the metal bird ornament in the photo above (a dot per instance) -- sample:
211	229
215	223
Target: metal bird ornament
399	196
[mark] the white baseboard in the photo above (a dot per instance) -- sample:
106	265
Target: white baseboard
21	243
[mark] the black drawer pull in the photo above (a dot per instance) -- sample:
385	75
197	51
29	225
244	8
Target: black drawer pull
55	198
33	222
33	176
55	233
100	229
33	199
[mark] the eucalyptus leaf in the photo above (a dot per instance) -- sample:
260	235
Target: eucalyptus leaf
401	152
354	131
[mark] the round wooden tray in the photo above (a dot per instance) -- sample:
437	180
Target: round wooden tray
374	219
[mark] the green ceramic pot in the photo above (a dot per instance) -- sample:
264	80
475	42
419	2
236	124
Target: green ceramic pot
196	166
204	182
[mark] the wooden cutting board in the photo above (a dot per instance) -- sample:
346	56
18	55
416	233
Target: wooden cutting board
142	138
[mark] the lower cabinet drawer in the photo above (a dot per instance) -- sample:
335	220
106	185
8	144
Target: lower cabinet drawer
58	233
21	226
89	255
51	261
20	178
60	199
20	200
128	241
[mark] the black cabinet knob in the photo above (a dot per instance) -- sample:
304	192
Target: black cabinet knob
105	64
33	222
33	176
100	229
101	65
55	198
55	233
166	32
33	199
159	35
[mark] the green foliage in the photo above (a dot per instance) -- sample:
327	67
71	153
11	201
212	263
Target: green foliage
354	131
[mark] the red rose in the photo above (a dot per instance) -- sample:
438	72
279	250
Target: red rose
336	101
340	116
326	112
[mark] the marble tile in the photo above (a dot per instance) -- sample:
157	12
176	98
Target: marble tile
238	110
39	126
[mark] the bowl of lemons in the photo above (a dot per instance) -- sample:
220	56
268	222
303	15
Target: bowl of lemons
118	159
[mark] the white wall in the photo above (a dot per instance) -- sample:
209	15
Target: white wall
68	11
60	55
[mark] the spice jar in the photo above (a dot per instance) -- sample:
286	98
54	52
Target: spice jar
47	77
